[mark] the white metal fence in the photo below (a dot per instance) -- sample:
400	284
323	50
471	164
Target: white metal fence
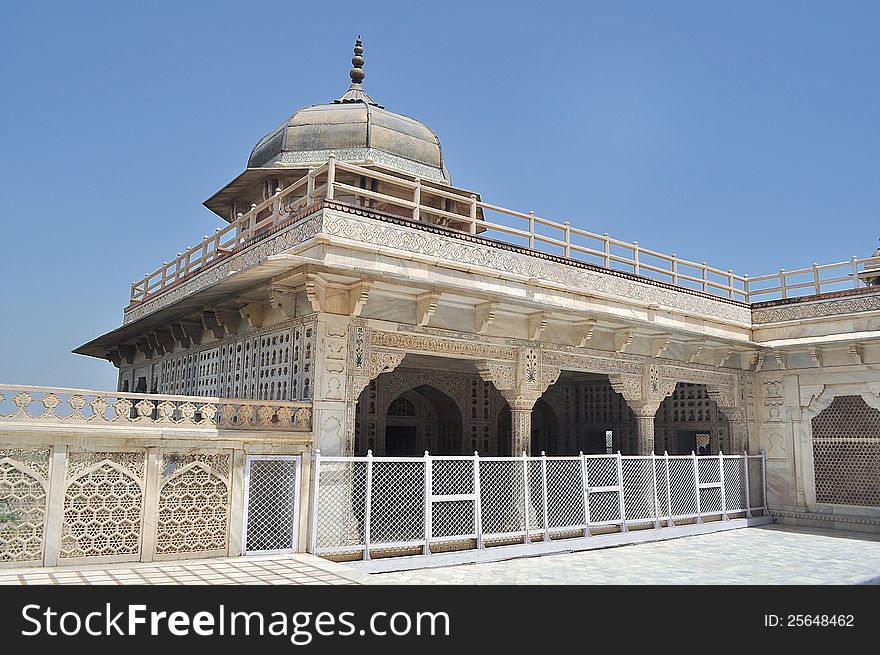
362	506
271	503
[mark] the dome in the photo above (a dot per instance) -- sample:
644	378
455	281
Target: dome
356	129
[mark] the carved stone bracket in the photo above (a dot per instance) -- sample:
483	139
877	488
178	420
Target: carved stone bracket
384	361
426	305
358	294
283	298
583	331
484	314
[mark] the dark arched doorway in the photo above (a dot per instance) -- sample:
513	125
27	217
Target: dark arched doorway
423	419
690	421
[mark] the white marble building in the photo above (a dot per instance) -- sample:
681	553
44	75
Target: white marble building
352	281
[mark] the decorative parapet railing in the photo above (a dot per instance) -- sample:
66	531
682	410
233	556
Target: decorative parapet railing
52	405
457	209
818	278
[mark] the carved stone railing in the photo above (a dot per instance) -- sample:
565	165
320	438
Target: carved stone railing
24	404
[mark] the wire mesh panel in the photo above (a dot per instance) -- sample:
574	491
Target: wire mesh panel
734	488
709	469
271	503
339	511
638	488
756	481
604	505
662	501
683	488
602	471
397	502
501	496
565	493
453	518
452	476
536	495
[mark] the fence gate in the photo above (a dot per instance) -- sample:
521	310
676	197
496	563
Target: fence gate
271	503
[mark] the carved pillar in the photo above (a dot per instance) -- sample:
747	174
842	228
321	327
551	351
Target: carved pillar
645	429
643	393
521	422
521	383
330	419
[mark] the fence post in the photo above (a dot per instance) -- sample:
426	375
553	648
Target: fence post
816	282
705	277
567	239
585	485
764	480
746	294
855	272
531	229
525	459
723	489
478	506
606	249
674	268
544	496
746	478
473	226
635	251
331	176
417	199
669	522
697	487
429	484
368	504
656	500
313	519
310	186
782	289
622	504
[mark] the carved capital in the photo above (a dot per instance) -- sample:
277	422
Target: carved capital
520	402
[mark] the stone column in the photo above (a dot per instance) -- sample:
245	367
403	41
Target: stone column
645	429
330	418
520	431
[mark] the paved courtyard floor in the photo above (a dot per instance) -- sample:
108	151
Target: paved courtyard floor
288	569
772	554
759	555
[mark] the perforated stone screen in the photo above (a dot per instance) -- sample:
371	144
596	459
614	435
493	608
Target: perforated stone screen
846	453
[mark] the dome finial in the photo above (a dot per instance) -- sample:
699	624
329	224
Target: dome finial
357	62
356	92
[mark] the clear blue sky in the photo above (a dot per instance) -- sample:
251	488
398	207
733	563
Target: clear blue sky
745	134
